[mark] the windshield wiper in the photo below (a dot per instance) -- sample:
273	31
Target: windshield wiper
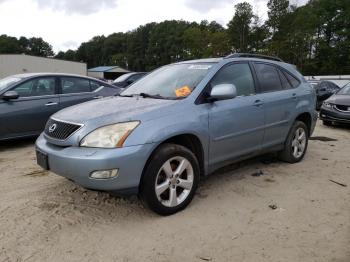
124	95
145	95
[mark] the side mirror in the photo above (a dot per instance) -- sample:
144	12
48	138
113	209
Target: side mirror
9	95
223	92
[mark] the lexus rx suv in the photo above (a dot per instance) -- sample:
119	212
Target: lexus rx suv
180	123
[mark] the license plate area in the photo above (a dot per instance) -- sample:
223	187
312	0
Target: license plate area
42	159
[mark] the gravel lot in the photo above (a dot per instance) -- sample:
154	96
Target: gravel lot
44	217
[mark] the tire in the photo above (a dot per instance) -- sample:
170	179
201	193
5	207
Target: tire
289	154
175	189
327	123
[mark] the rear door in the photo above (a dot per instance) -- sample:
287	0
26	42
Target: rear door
280	101
75	90
236	126
27	115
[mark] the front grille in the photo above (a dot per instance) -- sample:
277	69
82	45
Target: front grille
59	129
342	108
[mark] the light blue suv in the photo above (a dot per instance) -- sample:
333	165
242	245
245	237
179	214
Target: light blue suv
179	123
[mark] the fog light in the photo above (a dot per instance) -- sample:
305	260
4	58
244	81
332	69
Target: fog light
105	174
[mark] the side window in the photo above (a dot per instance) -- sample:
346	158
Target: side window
268	77
292	80
284	81
72	85
136	77
37	87
94	85
237	74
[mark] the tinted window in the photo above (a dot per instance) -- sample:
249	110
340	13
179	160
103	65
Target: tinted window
292	80
123	78
268	77
284	81
71	85
95	85
135	77
237	74
36	87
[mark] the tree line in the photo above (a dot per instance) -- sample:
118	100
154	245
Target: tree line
314	37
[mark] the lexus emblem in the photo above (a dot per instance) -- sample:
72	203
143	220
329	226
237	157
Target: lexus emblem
52	128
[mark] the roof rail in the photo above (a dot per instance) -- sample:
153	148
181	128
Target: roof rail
236	55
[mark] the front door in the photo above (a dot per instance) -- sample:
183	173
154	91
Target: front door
28	114
237	125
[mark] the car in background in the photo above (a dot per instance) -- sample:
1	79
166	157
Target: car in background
313	83
336	109
28	100
324	90
127	79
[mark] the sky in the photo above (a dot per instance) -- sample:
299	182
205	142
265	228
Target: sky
65	24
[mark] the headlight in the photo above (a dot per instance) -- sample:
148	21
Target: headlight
326	104
112	136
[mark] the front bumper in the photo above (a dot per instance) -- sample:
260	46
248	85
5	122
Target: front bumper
334	115
77	163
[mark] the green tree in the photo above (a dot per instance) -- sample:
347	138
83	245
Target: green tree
37	46
278	9
239	26
9	45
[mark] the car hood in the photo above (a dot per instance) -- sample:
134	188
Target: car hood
117	109
339	100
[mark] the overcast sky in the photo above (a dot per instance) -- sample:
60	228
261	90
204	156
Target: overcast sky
67	23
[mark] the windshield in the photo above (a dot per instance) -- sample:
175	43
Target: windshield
122	78
6	82
345	90
172	81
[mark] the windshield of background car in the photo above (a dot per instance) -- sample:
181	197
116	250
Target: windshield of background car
122	78
8	81
172	81
345	90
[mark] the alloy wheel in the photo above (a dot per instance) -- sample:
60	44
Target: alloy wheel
299	142
174	181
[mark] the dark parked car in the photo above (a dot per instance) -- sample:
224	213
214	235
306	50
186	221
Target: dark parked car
28	100
128	79
324	90
336	109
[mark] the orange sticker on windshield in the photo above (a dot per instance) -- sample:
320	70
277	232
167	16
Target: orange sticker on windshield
183	91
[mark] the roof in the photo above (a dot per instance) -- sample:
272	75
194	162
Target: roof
108	69
42	57
30	75
102	68
205	60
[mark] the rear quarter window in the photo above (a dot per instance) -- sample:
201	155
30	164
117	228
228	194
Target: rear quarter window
268	77
292	79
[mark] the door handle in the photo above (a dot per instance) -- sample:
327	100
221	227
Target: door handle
51	104
97	97
294	96
258	103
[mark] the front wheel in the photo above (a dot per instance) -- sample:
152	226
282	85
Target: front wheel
296	144
170	179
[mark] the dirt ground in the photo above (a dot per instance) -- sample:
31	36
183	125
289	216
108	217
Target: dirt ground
44	217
